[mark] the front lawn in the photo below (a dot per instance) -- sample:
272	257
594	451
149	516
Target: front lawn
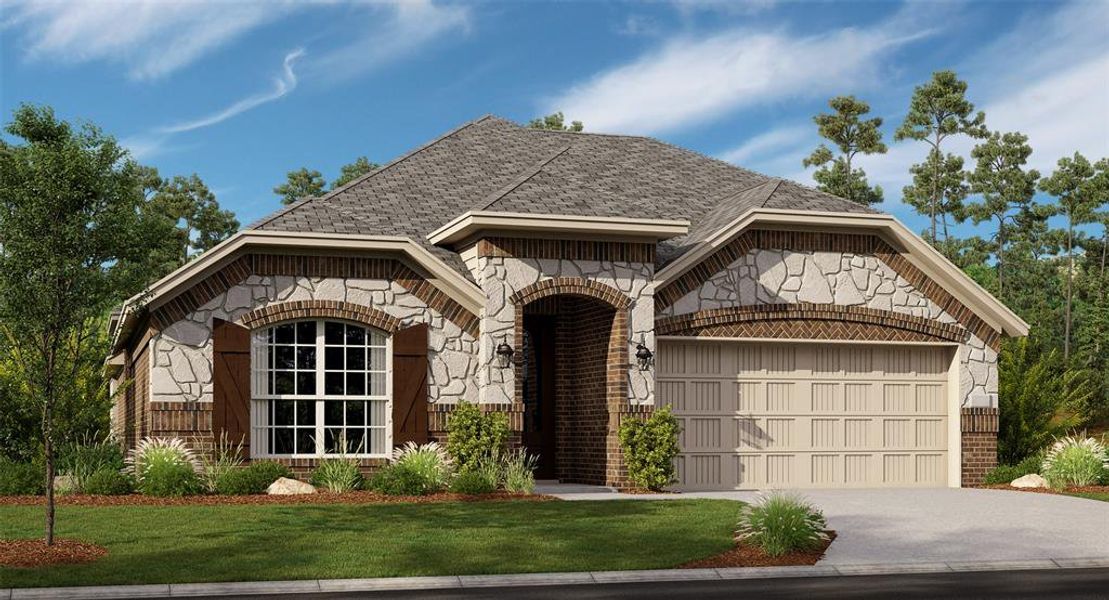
1103	496
149	544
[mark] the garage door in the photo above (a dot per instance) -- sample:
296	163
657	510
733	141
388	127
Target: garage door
792	415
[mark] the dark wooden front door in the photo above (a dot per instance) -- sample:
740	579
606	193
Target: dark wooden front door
539	392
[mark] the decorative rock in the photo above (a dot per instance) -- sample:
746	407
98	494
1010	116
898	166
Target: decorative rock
290	487
1031	480
65	484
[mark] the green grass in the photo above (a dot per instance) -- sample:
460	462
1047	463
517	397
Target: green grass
149	544
1103	496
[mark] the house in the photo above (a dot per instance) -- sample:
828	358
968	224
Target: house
572	280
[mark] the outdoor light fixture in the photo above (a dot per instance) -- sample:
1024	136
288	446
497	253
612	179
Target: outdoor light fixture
504	353
643	356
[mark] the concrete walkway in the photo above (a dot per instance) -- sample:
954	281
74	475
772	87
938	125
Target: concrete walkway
883	526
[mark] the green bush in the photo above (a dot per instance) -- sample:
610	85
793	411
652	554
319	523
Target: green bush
473	436
170	478
225	458
156	451
480	479
82	460
1007	473
338	475
254	478
519	472
17	479
398	480
1073	461
419	469
108	482
650	446
781	523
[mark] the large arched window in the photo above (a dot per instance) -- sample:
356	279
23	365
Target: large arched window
320	387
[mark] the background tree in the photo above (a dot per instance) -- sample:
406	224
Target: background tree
74	237
1075	186
555	122
945	177
299	184
354	170
939	109
999	177
851	135
199	222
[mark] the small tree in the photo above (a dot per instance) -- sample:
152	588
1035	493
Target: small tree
192	208
852	136
354	170
555	122
650	446
943	177
71	221
474	436
299	184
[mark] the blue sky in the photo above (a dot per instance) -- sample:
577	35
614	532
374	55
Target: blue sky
242	91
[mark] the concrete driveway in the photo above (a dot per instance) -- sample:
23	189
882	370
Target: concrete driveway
880	526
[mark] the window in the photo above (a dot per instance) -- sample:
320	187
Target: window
320	387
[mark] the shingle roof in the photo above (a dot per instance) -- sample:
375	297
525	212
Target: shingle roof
495	165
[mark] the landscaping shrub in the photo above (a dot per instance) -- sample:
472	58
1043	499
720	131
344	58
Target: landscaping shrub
1007	473
1074	461
650	446
254	478
225	458
415	471
473	436
479	479
780	523
168	478
18	478
519	472
338	475
81	460
108	482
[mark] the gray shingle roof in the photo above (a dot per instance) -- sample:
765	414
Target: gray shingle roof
495	165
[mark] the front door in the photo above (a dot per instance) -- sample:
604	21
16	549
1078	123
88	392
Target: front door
539	392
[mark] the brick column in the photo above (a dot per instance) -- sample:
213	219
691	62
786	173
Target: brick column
979	427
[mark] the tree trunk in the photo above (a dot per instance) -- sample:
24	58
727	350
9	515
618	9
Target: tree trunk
48	449
1070	276
1001	258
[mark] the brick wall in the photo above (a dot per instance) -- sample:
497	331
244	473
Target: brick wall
979	439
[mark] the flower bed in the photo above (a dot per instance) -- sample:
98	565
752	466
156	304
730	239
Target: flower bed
360	497
749	555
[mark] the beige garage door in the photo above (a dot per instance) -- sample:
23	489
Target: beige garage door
795	415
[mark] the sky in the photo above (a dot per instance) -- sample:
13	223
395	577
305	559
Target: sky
242	91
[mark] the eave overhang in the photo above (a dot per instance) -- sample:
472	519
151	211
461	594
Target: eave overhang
472	224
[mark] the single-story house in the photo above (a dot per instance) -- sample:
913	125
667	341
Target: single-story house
570	281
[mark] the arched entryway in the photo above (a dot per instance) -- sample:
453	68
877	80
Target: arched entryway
572	377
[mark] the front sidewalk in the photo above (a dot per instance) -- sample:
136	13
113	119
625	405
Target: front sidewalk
184	590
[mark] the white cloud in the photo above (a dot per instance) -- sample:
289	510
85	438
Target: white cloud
773	142
411	25
692	80
152	38
282	86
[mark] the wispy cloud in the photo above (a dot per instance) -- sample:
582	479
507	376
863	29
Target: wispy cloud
151	38
692	80
769	143
407	26
282	86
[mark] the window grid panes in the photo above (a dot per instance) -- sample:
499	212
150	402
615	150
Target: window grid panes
323	389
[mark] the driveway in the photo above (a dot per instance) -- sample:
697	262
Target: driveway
879	526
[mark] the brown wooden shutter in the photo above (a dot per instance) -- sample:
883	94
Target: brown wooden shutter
231	382
410	385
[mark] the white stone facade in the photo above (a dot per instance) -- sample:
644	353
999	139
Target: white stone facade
181	355
783	276
501	277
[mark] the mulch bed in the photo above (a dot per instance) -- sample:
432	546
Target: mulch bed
35	553
1096	489
746	555
214	500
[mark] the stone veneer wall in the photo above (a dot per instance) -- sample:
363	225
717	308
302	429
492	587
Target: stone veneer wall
762	277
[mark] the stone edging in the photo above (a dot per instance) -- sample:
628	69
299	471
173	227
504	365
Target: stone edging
177	590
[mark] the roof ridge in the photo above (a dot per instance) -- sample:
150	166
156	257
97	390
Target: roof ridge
519	180
777	182
361	178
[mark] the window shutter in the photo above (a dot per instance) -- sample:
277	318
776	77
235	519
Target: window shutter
231	382
410	385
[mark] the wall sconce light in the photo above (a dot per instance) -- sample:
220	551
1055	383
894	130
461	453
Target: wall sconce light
643	356
504	353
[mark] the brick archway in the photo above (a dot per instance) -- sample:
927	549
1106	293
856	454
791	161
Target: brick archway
811	321
588	322
327	309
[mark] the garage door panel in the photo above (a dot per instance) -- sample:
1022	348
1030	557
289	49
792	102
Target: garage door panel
807	415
